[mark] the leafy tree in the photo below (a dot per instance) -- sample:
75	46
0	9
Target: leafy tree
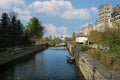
35	28
109	37
112	39
73	36
67	39
95	36
81	34
57	40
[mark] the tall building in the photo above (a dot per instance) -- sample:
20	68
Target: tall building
106	18
116	13
104	13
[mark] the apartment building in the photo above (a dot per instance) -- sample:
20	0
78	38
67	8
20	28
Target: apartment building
116	14
105	17
104	14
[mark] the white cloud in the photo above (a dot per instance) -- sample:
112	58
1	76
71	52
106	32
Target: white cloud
76	14
60	8
56	31
93	9
5	4
52	7
55	8
12	5
23	14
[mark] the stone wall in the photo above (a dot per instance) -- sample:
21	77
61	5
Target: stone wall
90	68
10	56
93	70
70	48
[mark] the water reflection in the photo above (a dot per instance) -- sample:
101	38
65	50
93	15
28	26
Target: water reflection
47	65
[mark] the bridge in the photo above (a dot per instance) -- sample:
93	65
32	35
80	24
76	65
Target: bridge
58	48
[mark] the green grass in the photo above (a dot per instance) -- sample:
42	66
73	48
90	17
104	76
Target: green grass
81	46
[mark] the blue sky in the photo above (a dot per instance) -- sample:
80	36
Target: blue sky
60	17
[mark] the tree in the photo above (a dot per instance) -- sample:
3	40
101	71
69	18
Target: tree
4	31
95	36
67	39
81	34
12	33
20	32
73	36
112	39
57	40
35	28
26	40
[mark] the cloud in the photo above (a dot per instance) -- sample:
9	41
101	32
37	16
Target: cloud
76	14
62	9
7	4
93	9
23	14
13	5
55	8
56	31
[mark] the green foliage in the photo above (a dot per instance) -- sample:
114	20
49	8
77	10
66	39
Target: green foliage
73	36
57	40
95	36
112	39
35	28
81	34
81	46
85	48
67	39
12	33
4	31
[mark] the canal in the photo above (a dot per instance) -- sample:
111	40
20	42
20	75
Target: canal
50	64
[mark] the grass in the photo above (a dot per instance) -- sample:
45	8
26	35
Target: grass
81	46
107	58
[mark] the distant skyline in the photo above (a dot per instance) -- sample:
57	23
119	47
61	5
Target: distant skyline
61	17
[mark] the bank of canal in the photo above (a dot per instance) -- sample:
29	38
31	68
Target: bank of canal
50	64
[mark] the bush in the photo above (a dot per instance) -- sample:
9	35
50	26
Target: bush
83	47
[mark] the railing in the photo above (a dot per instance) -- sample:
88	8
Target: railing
19	52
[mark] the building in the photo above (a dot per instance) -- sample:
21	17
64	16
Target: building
104	14
81	39
116	14
104	18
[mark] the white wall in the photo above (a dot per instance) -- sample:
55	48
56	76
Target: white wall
81	39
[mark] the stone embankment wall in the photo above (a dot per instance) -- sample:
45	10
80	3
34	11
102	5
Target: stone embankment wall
90	68
70	48
10	56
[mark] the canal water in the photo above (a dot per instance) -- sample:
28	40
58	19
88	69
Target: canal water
50	64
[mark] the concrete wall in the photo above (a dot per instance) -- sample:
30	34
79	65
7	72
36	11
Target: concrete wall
10	56
92	69
81	39
70	48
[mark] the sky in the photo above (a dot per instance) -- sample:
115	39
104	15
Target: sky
60	17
